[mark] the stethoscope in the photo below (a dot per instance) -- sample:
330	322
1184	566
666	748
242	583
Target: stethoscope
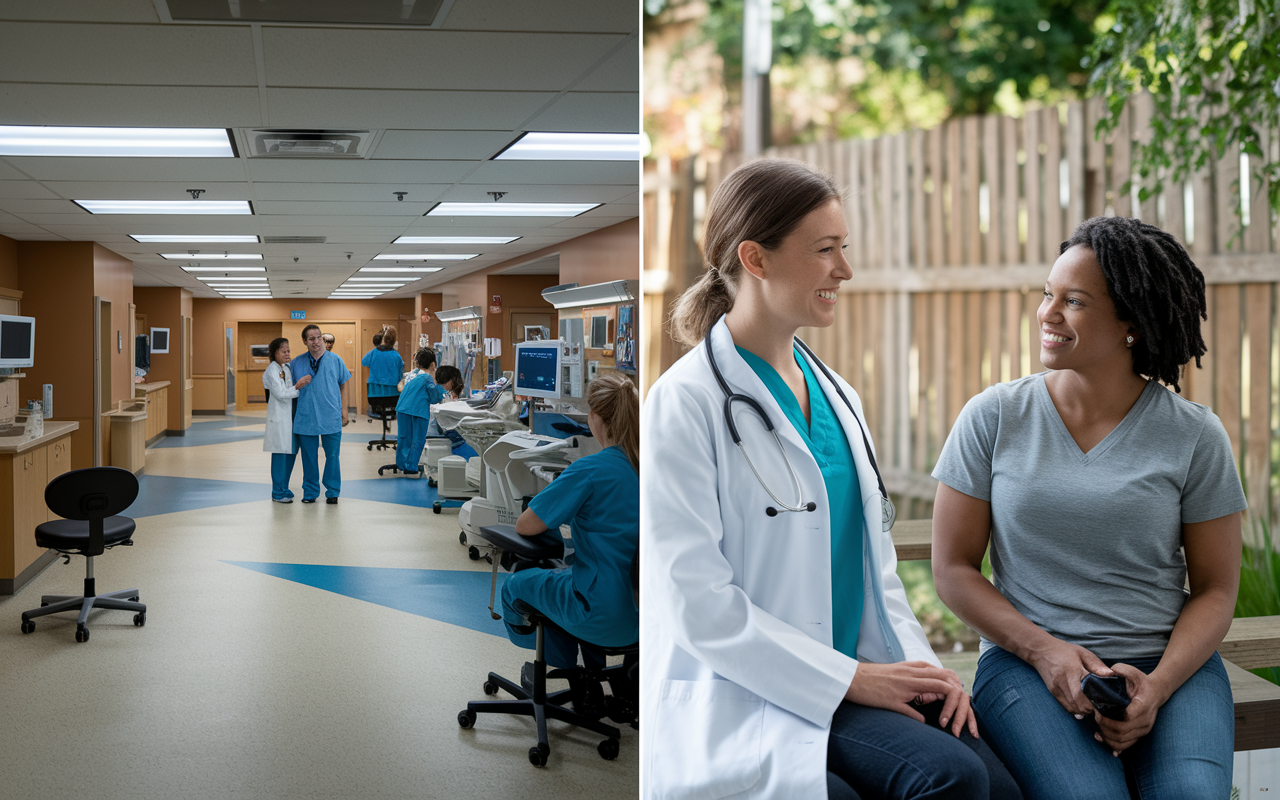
887	512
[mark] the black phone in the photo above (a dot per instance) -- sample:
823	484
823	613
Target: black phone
1109	695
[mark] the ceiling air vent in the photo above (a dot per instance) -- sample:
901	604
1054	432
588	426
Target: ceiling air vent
268	143
293	239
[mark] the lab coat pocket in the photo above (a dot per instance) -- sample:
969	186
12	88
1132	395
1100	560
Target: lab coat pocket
707	741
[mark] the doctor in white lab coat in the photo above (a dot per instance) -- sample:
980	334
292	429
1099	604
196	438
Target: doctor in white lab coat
741	678
277	380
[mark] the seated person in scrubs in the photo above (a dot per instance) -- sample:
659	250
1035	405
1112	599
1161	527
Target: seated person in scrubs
413	411
450	378
320	416
385	365
598	496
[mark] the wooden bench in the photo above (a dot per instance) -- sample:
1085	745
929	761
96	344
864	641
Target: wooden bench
1252	643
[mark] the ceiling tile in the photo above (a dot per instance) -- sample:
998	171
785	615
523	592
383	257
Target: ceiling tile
129	106
442	144
386	108
133	170
621	173
591	112
620	73
286	170
24	190
545	15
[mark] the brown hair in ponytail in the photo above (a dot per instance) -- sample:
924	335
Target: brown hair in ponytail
761	201
616	401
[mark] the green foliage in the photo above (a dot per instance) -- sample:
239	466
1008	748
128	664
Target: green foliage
1213	69
1260	586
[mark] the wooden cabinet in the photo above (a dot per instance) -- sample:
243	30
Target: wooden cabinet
23	477
157	395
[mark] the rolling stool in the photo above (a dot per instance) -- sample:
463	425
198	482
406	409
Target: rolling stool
383	408
512	548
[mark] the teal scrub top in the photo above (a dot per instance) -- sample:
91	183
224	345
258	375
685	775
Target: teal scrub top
826	440
420	393
599	497
386	367
318	409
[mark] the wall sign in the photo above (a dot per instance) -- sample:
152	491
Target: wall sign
297	315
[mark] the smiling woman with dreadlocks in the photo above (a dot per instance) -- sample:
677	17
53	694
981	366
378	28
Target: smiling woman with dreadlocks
1102	494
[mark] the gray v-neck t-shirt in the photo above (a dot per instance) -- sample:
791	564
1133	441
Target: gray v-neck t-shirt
1088	546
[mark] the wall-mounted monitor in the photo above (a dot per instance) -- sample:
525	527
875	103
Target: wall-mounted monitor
159	340
260	350
538	369
17	342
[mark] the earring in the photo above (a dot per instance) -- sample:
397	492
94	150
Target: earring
1129	340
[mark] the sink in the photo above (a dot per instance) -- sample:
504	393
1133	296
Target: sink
12	430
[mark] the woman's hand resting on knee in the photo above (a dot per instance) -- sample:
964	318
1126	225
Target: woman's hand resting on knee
1062	666
894	686
1145	700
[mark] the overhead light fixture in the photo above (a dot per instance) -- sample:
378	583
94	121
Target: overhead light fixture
401	269
231	278
459	314
455	239
42	140
224	269
352	297
575	296
510	209
387	279
425	257
212	256
165	207
210	239
540	146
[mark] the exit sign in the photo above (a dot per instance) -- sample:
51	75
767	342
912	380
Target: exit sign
297	315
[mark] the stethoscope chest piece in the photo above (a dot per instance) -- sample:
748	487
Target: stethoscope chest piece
888	514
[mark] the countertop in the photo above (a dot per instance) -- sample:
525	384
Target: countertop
151	387
10	445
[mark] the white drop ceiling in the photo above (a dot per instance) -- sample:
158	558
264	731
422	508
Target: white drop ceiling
440	101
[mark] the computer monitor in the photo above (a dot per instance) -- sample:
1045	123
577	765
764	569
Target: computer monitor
17	342
538	369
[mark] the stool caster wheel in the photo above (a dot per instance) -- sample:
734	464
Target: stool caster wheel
473	553
462	538
369	448
608	749
435	508
538	755
82	633
140	619
28	626
466	718
490	688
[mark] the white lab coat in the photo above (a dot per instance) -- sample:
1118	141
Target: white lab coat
741	680
280	394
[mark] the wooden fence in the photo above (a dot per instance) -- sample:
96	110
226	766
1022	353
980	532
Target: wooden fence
951	234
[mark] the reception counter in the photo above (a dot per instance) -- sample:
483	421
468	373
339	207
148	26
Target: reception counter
157	394
26	467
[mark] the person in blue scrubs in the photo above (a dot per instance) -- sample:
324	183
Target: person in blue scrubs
385	365
450	377
319	416
598	496
413	411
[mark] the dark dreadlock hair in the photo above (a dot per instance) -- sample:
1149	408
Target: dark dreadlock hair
1156	288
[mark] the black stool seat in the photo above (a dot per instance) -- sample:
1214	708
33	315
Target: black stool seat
71	534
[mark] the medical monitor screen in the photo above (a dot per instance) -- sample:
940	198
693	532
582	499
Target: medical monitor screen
538	369
17	342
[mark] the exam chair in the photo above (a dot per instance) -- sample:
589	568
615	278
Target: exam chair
89	500
590	704
383	408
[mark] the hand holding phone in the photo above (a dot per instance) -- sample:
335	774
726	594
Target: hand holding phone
1109	695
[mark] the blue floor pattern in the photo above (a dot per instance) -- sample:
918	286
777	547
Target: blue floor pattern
454	597
217	431
164	494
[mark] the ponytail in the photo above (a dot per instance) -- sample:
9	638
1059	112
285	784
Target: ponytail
615	399
696	310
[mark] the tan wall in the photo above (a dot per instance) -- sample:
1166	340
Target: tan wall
469	290
163	306
432	302
8	262
609	254
518	293
212	317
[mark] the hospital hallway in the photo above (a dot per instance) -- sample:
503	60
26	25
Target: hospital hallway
289	651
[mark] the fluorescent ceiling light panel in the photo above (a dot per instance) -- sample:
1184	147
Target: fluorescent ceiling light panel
455	239
230	278
538	146
165	206
37	140
401	269
213	256
510	209
388	279
426	257
209	238
225	269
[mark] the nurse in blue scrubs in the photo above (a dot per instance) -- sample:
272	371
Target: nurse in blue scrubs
319	416
599	497
413	411
385	366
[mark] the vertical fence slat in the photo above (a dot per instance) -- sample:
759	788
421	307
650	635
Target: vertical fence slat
1031	302
937	221
971	180
1202	222
1258	444
1095	180
1175	218
919	229
955	197
992	332
1226	333
1052	231
940	419
920	338
1258	236
1201	389
972	345
1227	201
991	177
955	357
1121	150
871	221
902	201
1009	190
1031	183
1013	333
853	212
1143	108
1075	165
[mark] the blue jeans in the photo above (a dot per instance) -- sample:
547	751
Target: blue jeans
411	436
1053	756
308	448
874	753
281	470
